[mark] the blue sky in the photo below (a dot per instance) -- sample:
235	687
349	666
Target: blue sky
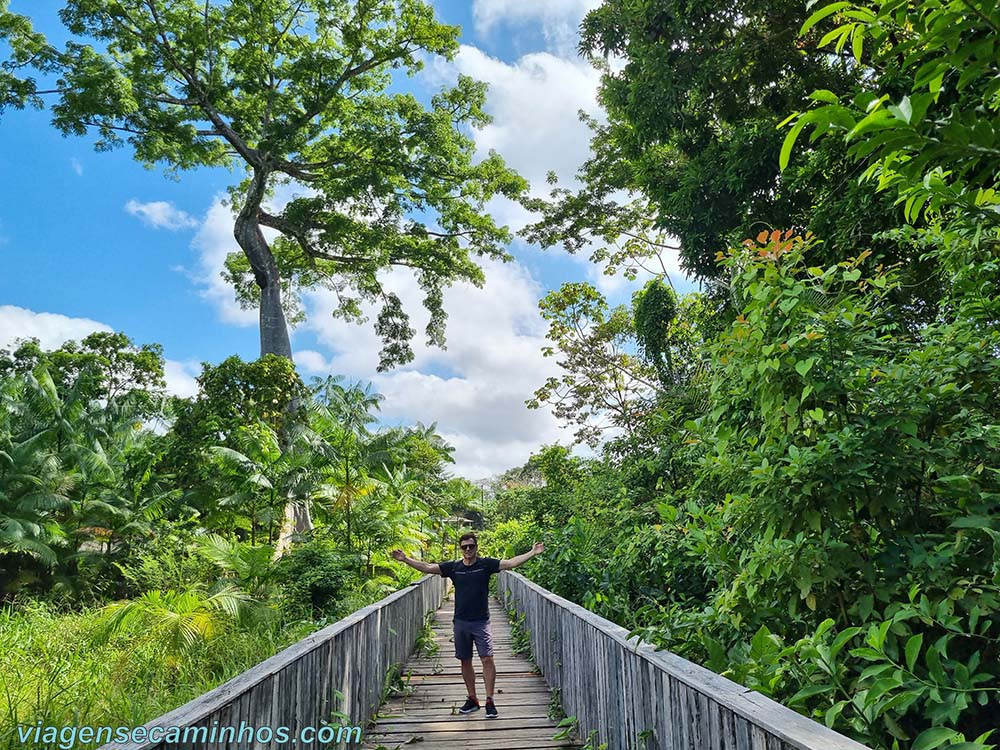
94	241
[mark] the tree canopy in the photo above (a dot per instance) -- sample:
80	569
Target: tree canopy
290	93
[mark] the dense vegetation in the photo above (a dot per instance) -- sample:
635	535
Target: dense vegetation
799	484
138	532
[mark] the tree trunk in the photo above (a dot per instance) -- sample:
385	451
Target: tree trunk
273	327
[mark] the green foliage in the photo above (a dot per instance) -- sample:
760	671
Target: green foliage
933	139
509	538
520	636
820	520
845	495
152	550
178	618
655	309
27	49
601	377
690	131
427	645
55	668
312	579
100	367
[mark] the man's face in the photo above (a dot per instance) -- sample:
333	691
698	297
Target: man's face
468	549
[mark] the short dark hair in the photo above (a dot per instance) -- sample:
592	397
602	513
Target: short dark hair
468	535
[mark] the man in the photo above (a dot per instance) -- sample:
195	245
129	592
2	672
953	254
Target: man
471	577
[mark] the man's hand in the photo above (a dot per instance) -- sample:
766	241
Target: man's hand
513	562
423	567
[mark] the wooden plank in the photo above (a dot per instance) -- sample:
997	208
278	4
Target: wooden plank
427	717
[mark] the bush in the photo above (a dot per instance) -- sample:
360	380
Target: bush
313	579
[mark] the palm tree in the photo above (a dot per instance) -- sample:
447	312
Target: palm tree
180	619
341	417
250	567
35	486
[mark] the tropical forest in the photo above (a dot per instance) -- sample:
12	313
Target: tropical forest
756	423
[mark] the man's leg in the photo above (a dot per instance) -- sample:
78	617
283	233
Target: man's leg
489	675
484	645
469	675
463	652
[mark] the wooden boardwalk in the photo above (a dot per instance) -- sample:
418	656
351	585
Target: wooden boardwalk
427	716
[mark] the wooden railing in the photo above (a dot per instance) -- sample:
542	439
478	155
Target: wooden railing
340	669
637	698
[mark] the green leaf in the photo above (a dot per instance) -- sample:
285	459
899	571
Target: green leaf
913	646
803	366
840	32
877	118
842	638
789	142
933	659
830	717
869	654
932	738
822	13
858	42
824	95
880	688
809	691
903	111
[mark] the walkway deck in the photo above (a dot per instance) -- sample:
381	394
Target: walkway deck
427	718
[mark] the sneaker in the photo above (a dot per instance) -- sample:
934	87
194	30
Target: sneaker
491	709
470	706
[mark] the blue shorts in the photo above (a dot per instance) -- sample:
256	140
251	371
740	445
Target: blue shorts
467	631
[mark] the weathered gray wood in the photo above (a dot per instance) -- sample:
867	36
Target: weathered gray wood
296	687
620	686
426	716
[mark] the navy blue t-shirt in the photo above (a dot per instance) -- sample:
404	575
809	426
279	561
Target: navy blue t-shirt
472	584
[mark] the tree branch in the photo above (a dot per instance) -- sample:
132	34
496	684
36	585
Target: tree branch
248	154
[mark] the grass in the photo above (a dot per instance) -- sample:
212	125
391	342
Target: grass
56	669
520	636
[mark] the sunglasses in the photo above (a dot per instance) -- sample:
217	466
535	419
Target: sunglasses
468	546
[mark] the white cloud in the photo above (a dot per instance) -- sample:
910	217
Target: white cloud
76	166
476	388
559	20
161	215
213	242
51	329
181	378
534	103
311	362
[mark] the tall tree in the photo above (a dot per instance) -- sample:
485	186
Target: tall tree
603	386
690	130
101	366
292	92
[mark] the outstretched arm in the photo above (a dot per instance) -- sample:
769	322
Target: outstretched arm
513	562
423	567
